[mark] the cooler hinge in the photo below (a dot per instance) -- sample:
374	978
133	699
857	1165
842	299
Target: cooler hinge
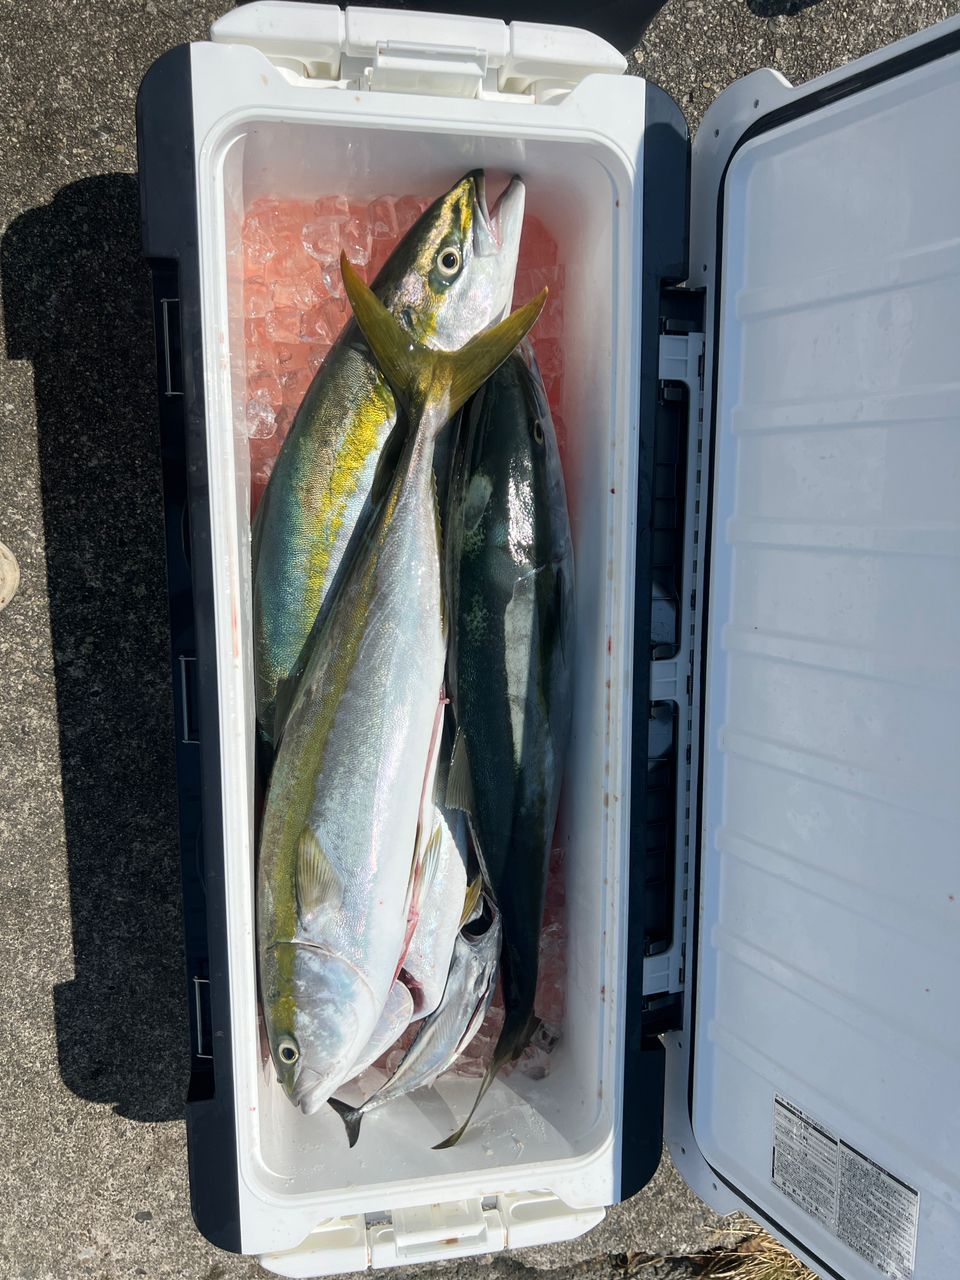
681	360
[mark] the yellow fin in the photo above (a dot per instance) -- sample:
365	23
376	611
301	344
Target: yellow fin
470	900
430	862
421	376
318	883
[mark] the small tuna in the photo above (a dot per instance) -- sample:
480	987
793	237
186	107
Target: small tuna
511	599
450	1028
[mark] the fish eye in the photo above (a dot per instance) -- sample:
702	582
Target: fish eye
448	262
538	430
288	1051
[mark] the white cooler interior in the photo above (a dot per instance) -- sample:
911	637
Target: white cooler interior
550	1133
830	921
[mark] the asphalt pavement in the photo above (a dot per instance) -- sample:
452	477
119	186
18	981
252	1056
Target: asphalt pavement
93	1038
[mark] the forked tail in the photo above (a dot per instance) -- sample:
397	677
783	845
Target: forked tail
423	379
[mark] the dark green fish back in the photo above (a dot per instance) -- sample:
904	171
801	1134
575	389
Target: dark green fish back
510	584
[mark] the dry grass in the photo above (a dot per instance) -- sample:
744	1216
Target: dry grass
757	1257
754	1256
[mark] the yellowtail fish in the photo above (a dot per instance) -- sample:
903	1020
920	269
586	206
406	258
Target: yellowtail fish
449	278
339	841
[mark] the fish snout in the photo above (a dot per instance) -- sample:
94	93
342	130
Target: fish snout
336	1011
498	229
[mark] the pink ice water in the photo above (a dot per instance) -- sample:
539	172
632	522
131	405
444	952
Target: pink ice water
294	308
294	304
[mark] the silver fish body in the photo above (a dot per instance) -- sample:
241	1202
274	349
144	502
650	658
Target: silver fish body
446	1033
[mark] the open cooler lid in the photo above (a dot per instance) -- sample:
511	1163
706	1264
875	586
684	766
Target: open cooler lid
825	1017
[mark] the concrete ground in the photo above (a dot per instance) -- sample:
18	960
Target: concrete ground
93	1046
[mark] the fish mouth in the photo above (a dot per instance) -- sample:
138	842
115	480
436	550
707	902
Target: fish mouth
499	227
310	1095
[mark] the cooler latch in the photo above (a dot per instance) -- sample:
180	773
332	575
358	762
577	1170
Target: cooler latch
424	1232
420	68
405	51
430	1232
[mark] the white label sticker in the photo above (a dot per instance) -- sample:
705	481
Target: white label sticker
853	1197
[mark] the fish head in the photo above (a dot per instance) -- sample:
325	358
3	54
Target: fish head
319	1024
453	273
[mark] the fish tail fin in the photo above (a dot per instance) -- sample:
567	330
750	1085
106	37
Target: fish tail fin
351	1117
510	1045
421	377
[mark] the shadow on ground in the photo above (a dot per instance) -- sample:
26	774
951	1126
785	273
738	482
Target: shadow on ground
76	303
778	8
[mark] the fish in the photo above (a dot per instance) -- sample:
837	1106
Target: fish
450	277
419	987
394	1019
341	836
449	1029
427	960
510	592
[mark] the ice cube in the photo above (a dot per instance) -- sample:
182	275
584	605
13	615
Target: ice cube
303	291
295	385
355	241
283	324
291	355
383	219
256	297
332	279
408	209
255	332
258	247
261	419
321	239
332	207
264	385
324	322
288	266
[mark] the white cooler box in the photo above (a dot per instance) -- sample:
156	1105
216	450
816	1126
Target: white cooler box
761	812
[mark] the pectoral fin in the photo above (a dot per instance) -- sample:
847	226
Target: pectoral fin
429	863
471	899
460	779
318	882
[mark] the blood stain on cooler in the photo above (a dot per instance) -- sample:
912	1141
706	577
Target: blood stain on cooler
294	305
